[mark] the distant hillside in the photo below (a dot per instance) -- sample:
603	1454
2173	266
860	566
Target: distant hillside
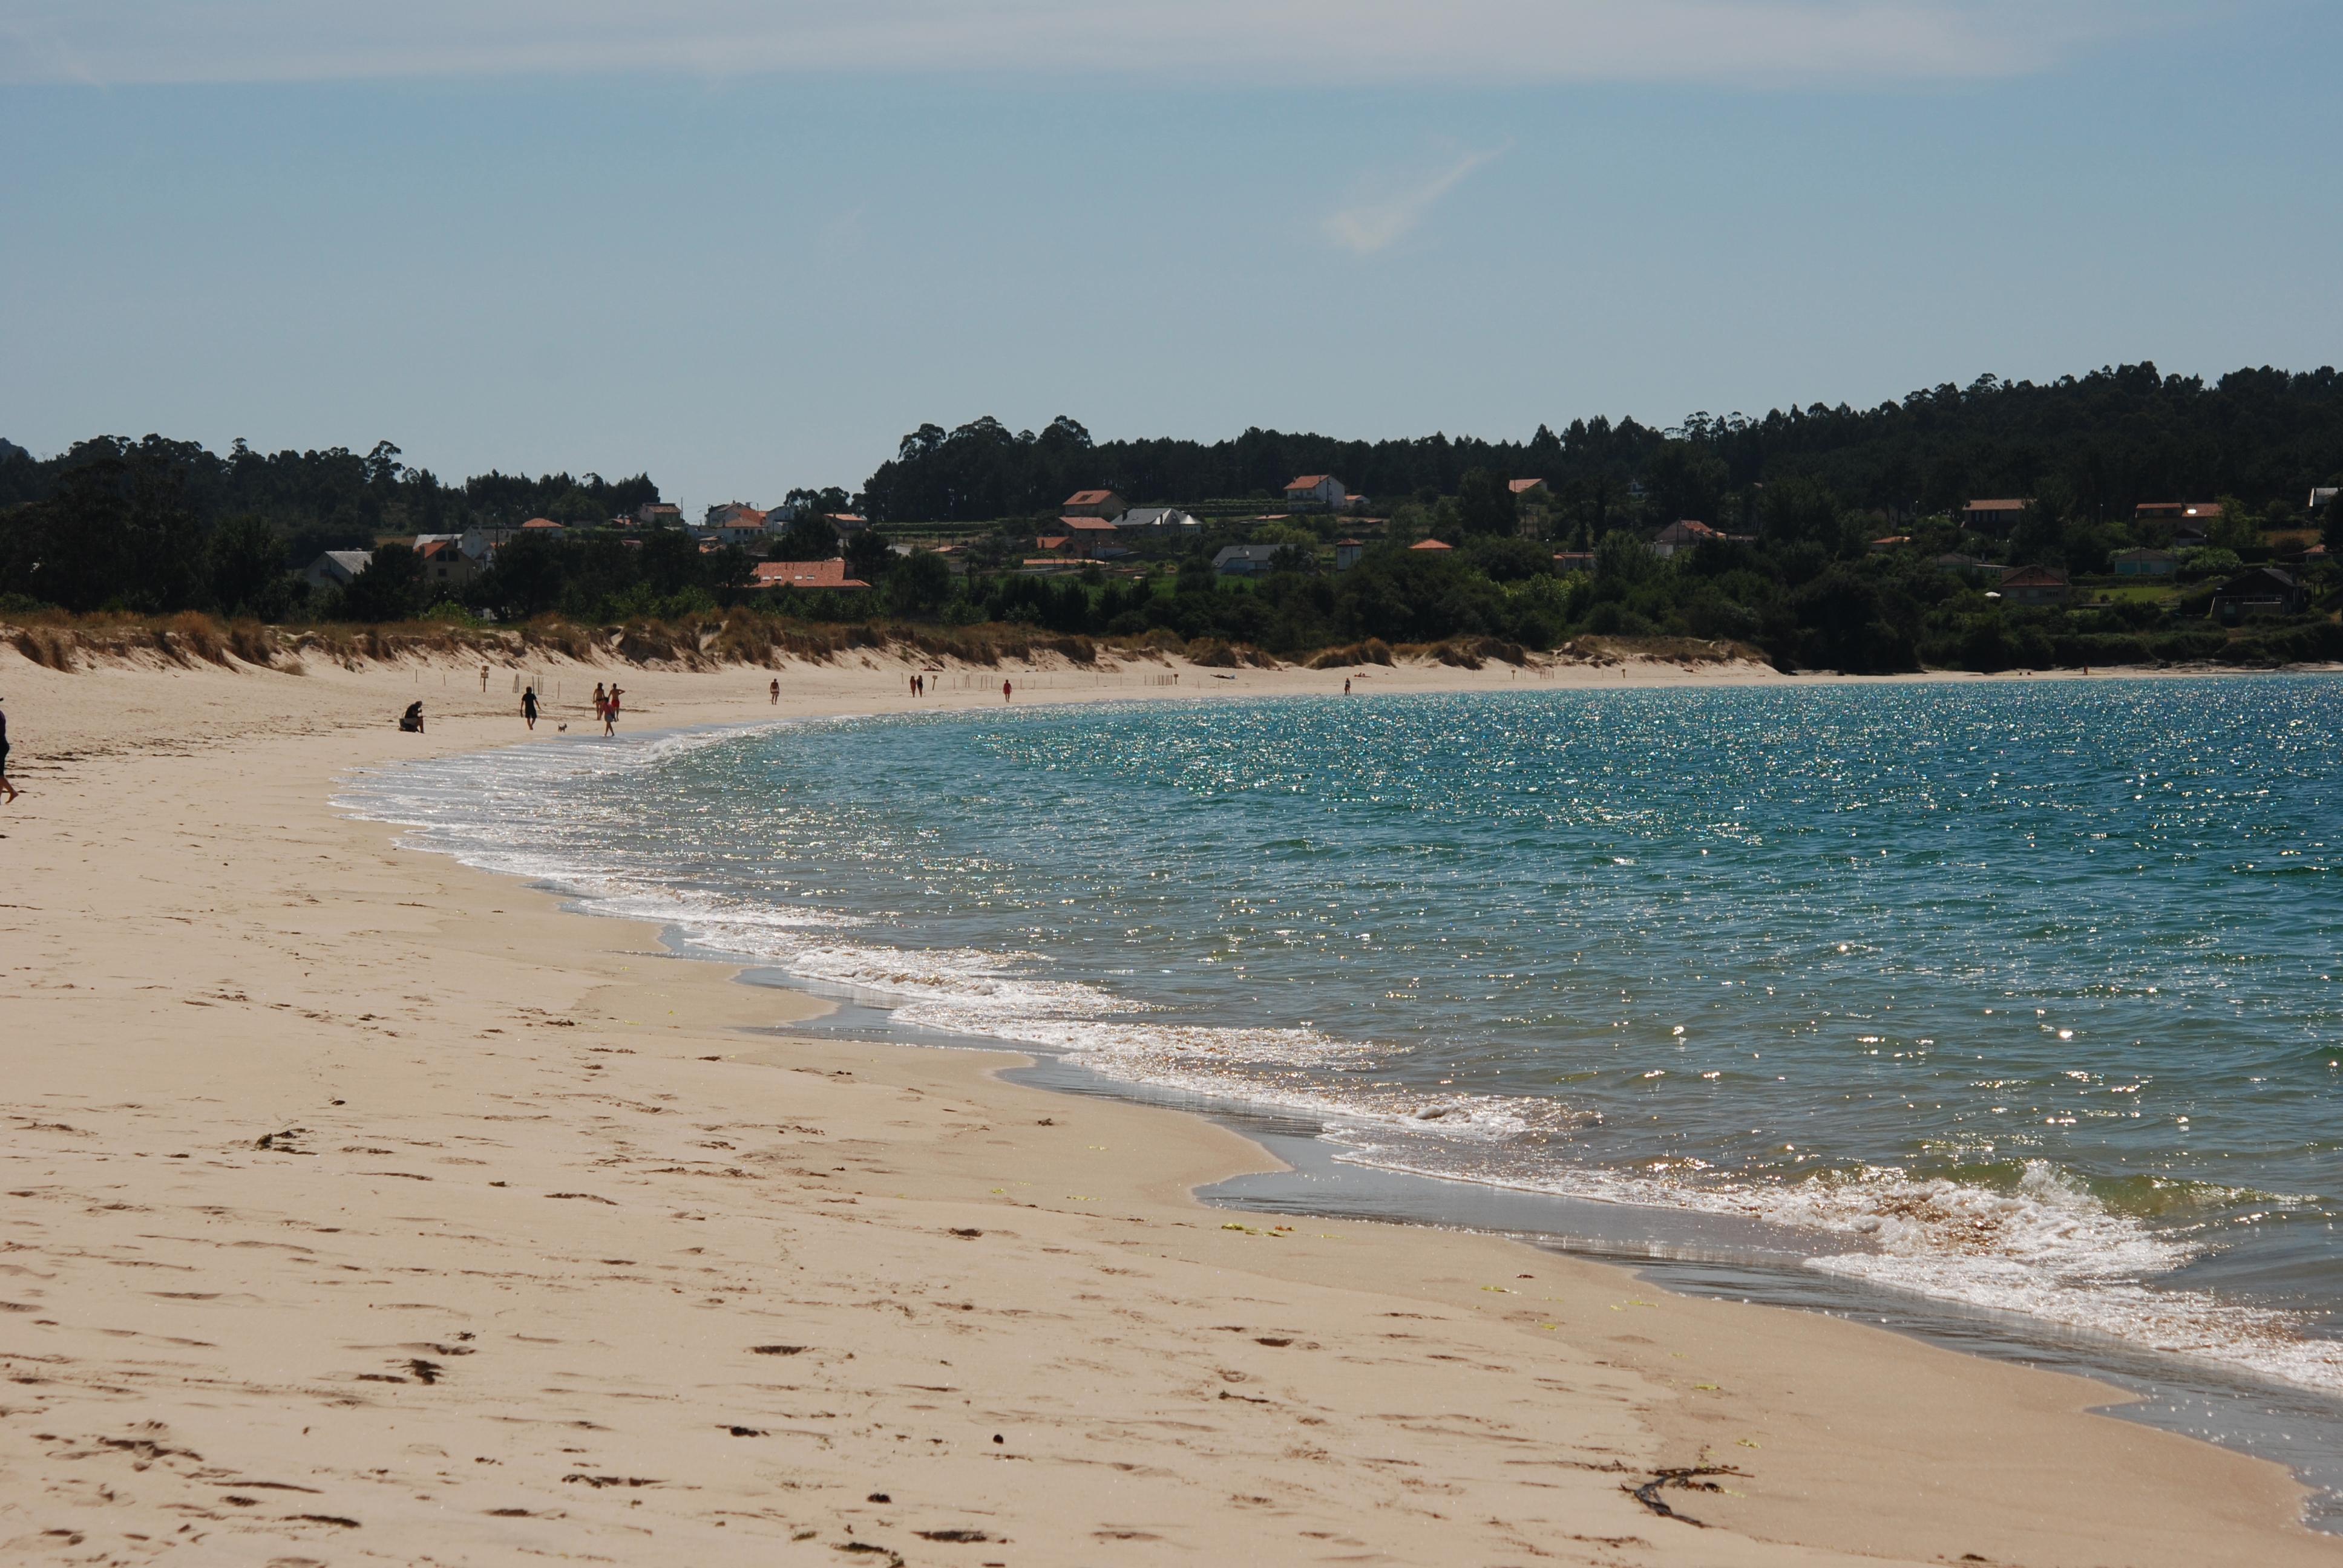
2097	444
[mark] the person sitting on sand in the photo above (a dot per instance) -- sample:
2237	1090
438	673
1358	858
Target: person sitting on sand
528	706
411	721
11	788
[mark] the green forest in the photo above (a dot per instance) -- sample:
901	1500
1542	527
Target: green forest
1847	548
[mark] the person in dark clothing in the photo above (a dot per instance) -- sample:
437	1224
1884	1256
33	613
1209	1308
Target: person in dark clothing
11	788
528	706
411	721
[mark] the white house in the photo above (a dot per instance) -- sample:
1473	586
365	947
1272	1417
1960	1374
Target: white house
336	568
1317	491
1157	523
1683	535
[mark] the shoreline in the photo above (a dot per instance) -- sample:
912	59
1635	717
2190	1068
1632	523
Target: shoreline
362	1002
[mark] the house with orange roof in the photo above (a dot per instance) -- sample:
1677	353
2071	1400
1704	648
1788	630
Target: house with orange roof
1995	516
1093	538
829	574
1104	504
2035	585
1320	490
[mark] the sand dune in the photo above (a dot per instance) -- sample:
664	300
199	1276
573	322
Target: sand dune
364	1208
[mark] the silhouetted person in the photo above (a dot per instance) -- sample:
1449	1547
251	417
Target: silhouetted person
11	788
528	706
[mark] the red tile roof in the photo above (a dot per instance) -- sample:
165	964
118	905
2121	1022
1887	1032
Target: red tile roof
541	523
1430	545
2034	577
1087	525
2006	505
829	574
1523	487
1308	482
1090	497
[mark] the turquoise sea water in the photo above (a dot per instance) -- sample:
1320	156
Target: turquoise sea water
2022	996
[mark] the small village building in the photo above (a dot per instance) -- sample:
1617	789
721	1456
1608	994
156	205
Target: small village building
543	528
1319	490
2264	590
2035	585
1347	553
660	515
1052	542
1526	487
2322	497
1430	545
1158	522
2199	513
829	574
1684	534
1247	560
1995	517
1086	536
1970	569
444	564
1104	504
2146	563
336	568
1889	545
1567	561
734	524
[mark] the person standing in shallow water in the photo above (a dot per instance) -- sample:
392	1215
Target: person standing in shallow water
528	706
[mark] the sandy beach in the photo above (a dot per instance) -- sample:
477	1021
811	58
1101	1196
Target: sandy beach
366	1208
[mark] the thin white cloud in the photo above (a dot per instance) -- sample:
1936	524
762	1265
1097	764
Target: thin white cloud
1393	214
1279	42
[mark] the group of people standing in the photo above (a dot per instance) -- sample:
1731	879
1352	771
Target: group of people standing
605	706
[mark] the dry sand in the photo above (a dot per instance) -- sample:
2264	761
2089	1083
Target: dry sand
363	1208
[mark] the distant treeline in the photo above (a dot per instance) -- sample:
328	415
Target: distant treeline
157	525
2095	445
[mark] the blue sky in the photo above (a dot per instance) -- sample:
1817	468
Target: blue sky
747	243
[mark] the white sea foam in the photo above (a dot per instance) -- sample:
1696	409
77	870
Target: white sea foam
2045	1247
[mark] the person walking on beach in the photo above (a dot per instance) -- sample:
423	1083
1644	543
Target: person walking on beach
1004	691
777	691
610	709
1346	686
528	706
11	788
